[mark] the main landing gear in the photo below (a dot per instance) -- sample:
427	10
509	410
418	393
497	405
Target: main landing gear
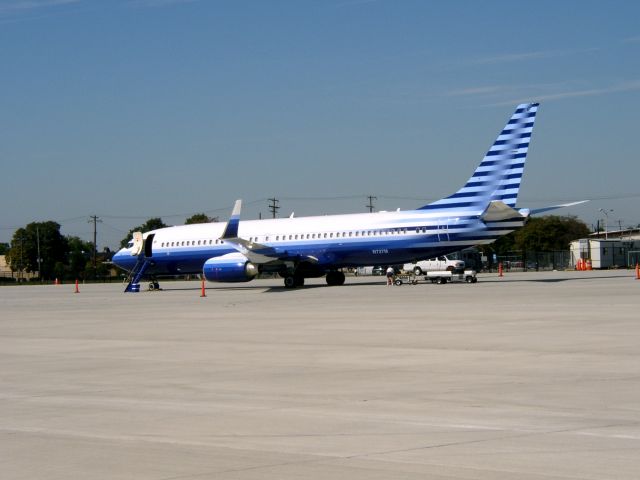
293	281
334	278
154	285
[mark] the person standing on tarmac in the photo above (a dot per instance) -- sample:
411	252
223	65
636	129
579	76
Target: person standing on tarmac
390	274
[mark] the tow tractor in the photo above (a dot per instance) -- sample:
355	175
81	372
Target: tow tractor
441	277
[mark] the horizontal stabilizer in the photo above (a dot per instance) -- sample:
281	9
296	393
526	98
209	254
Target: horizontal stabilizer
554	207
498	210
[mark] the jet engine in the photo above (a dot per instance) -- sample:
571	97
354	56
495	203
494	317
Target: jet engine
232	267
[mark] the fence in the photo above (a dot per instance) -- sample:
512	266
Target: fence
525	261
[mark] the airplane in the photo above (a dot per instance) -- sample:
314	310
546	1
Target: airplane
310	247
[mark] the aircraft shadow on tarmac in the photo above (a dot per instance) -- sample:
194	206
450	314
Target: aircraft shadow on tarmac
547	280
283	289
269	289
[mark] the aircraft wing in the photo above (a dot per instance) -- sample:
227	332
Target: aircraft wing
257	253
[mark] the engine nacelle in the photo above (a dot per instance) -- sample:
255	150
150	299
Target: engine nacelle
232	267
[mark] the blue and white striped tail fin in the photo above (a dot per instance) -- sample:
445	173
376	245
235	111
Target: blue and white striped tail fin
499	174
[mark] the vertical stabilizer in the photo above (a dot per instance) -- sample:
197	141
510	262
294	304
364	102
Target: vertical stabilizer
499	174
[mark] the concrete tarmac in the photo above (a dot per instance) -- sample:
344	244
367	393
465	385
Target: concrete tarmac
530	376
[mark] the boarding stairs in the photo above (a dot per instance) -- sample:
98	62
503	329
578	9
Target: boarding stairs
133	280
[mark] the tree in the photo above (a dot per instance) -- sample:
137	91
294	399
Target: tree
78	258
151	224
4	248
199	218
550	233
541	234
23	254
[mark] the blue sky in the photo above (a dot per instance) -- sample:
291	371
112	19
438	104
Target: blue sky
129	109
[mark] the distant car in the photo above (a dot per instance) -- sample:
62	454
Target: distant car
441	263
378	270
362	271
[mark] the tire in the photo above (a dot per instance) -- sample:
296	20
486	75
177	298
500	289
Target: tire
474	280
335	278
468	279
290	281
152	286
417	271
397	282
442	280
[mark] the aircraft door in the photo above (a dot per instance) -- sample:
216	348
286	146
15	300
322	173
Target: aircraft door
443	231
148	244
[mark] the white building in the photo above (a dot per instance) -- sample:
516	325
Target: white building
609	253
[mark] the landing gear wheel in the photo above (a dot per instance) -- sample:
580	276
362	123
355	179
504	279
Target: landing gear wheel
335	278
293	281
152	286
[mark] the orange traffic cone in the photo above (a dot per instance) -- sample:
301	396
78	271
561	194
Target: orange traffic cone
203	294
77	287
500	272
637	271
56	282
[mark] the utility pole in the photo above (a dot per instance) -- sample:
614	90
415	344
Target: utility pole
606	221
95	219
21	260
371	206
273	206
39	259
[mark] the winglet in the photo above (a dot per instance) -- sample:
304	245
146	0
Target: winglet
231	230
